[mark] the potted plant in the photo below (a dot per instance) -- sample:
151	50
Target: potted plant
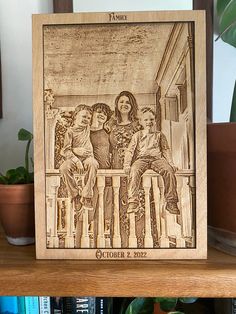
17	199
222	154
154	305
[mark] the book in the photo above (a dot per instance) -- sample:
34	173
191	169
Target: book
31	305
233	305
57	305
44	305
85	305
104	305
21	305
8	305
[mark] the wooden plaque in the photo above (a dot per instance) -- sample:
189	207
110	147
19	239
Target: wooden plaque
120	135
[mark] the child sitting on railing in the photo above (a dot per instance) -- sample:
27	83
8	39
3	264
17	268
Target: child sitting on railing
149	149
78	153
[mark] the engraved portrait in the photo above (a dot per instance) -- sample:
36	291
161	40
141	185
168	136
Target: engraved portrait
119	121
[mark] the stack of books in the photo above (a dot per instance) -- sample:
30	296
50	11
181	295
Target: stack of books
55	305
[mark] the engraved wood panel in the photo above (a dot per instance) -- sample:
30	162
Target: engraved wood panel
121	166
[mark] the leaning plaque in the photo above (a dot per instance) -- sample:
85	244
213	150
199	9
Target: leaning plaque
120	135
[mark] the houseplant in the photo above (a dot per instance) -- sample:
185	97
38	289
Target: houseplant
154	305
222	154
17	199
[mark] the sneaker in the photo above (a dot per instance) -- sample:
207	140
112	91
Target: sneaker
132	208
172	208
87	203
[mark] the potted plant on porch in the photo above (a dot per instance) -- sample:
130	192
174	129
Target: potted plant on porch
17	199
222	154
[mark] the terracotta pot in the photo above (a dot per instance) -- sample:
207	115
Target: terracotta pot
221	182
17	213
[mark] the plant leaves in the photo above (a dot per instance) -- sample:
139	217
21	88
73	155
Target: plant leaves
16	176
3	179
168	304
30	177
141	306
221	5
188	300
233	106
157	300
24	135
227	21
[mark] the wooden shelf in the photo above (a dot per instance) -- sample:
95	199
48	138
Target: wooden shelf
22	274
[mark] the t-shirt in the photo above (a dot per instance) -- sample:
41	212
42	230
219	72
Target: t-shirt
76	138
101	148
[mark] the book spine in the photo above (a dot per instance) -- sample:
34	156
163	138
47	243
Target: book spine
83	305
57	305
8	305
21	305
104	305
44	305
233	305
31	305
67	305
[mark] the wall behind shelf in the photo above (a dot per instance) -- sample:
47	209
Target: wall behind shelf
16	56
15	38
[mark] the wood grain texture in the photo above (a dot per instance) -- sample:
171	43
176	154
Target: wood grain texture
195	49
21	274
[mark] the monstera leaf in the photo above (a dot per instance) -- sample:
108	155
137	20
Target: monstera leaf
226	11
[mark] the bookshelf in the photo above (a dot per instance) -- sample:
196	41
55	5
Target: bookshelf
22	274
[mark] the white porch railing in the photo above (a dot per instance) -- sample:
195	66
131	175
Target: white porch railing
169	226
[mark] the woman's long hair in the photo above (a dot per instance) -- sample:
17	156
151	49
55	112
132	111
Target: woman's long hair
132	115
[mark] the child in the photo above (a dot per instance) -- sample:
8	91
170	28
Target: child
78	153
150	150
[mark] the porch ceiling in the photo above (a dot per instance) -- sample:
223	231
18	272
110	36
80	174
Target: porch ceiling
103	59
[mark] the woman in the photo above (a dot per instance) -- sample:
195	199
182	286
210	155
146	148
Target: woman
122	126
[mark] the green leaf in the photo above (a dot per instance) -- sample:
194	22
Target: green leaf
221	5
141	306
188	300
157	300
16	176
24	135
3	179
30	177
10	173
227	22
168	304
233	106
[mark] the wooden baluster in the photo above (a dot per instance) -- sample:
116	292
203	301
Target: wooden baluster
157	202
50	220
163	239
180	242
69	239
54	188
116	234
192	192
101	187
133	243
60	205
148	239
85	235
